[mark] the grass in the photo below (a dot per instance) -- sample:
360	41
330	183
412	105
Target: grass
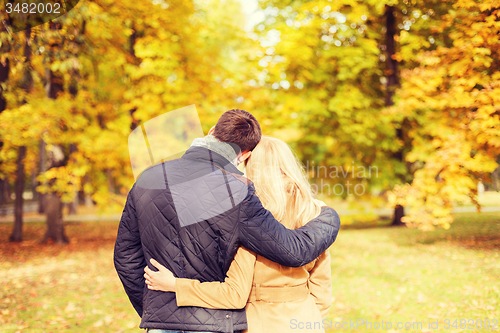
379	274
408	276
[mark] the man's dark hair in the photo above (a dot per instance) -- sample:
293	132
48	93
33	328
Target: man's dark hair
240	128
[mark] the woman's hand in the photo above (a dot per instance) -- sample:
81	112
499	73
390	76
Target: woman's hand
162	280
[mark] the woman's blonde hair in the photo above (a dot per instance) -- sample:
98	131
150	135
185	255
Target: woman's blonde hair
281	183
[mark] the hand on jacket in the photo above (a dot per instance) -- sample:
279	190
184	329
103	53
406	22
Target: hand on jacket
163	280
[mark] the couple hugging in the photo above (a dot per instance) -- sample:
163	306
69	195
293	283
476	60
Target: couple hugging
202	248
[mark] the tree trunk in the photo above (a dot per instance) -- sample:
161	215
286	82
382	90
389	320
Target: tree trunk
34	193
88	200
17	232
392	64
53	204
87	196
495	178
73	205
27	86
111	183
3	191
399	212
55	225
6	191
4	75
41	167
392	82
55	159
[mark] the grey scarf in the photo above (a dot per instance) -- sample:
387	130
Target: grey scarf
222	148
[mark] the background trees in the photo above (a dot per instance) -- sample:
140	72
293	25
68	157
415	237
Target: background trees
403	85
96	73
409	88
452	93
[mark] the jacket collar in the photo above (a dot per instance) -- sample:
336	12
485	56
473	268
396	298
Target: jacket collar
202	154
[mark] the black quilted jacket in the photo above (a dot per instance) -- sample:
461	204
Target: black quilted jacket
191	214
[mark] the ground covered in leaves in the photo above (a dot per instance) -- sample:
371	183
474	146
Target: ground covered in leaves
72	288
380	275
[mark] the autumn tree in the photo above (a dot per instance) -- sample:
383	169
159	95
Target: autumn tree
453	94
332	73
94	65
329	87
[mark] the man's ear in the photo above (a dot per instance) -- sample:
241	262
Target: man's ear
211	130
244	156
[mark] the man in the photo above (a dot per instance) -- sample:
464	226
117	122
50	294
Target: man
191	214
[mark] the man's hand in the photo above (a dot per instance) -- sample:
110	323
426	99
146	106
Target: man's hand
163	280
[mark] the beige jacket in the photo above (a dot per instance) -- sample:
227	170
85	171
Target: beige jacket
277	298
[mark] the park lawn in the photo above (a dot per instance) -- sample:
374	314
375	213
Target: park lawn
48	288
408	276
379	274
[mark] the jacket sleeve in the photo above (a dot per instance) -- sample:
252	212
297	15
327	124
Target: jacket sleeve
233	293
320	283
129	257
260	232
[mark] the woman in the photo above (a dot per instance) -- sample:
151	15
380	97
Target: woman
276	298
